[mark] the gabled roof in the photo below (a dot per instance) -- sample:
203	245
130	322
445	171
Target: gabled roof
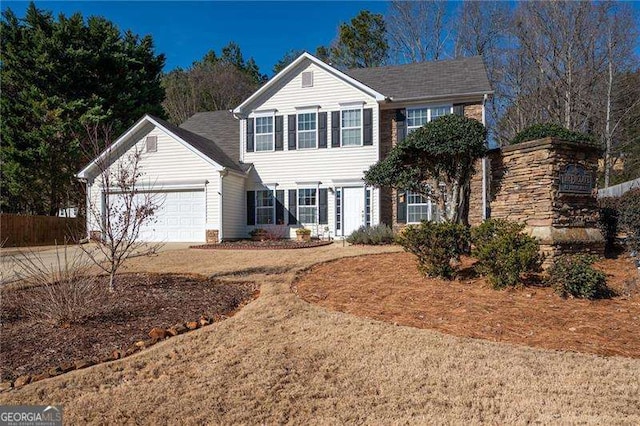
463	76
202	146
220	127
241	109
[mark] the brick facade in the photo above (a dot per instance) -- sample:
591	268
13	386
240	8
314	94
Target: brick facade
388	197
213	236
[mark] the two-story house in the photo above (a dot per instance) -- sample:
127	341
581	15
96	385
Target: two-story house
294	153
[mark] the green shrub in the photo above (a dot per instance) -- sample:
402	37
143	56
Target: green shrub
539	131
629	217
573	275
435	245
608	219
504	253
372	235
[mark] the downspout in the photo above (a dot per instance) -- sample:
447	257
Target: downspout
484	163
223	173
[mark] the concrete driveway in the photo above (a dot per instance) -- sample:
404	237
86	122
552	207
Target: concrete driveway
48	255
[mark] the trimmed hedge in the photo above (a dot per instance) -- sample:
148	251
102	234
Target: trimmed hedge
504	253
435	245
372	235
539	131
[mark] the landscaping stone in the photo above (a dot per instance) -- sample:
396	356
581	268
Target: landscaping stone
177	329
116	354
83	363
192	325
22	380
6	386
204	321
41	376
140	343
54	371
158	333
65	367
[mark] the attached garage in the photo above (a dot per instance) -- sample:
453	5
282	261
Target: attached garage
181	216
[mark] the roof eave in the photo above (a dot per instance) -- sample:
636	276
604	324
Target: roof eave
436	97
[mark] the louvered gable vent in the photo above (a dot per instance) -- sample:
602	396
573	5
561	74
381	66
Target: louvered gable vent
151	143
307	79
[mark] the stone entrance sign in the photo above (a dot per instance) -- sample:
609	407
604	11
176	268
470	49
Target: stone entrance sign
575	179
548	184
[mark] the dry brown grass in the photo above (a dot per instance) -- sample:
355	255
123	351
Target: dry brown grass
282	360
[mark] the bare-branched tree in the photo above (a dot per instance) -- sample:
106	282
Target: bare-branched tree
122	207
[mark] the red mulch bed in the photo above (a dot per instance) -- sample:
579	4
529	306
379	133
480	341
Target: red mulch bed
388	287
263	245
141	302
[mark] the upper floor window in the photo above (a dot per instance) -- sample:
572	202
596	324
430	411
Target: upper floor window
265	208
418	117
351	127
307	130
264	133
418	207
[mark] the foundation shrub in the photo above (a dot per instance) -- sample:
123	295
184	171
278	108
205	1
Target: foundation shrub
372	235
435	245
574	276
504	253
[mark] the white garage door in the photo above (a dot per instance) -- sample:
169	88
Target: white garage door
180	218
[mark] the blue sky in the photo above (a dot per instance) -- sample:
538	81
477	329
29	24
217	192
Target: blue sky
185	31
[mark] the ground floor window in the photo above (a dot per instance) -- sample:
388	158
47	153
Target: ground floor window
265	208
307	205
338	209
418	207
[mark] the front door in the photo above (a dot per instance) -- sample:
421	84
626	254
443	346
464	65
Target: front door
353	209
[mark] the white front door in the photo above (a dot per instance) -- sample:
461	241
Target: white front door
353	209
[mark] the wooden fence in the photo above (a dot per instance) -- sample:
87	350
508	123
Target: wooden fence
22	230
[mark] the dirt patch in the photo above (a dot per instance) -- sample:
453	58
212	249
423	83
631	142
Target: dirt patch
142	301
388	287
263	245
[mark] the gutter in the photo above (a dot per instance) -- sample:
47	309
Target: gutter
485	94
484	162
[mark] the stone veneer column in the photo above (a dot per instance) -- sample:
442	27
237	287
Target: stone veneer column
525	187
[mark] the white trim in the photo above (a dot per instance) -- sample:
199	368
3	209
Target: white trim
163	186
306	56
308	107
309	183
347	182
113	148
351	104
484	164
316	205
407	204
260	112
267	188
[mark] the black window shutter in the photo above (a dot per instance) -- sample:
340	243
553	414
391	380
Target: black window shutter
292	132
293	204
458	110
401	127
279	133
323	207
335	129
401	202
249	134
280	207
322	130
251	208
367	120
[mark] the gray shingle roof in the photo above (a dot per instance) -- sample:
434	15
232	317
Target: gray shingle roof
426	79
214	135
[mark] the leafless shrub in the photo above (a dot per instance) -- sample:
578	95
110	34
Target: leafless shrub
64	291
276	232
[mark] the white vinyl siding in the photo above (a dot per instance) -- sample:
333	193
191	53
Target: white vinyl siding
264	133
307	130
351	127
234	218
